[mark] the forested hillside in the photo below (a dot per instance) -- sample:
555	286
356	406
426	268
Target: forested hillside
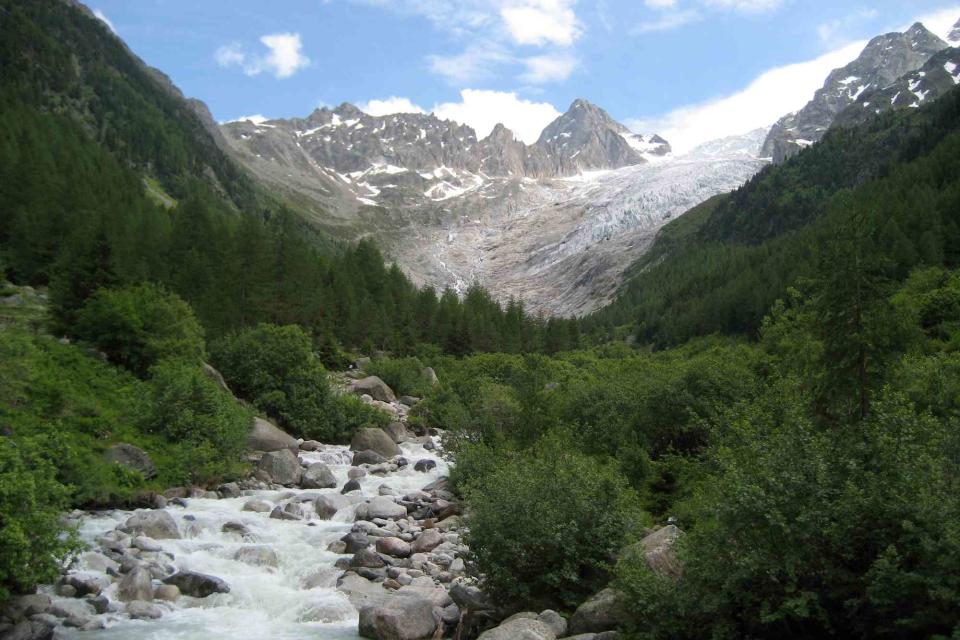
888	187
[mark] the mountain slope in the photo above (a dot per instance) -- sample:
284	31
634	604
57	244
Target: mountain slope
885	59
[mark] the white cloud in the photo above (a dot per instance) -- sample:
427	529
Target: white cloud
667	22
833	31
549	68
388	106
284	56
103	18
745	6
540	22
660	4
476	63
255	119
482	110
940	22
771	95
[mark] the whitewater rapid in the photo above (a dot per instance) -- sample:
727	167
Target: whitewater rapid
298	600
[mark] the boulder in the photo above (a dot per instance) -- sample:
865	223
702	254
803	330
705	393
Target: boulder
375	388
367	457
355	541
136	585
318	476
22	607
30	630
310	445
198	585
167	592
520	628
374	440
394	547
380	507
555	621
328	504
469	596
140	610
283	466
605	611
266	436
77	609
350	486
368	559
257	506
132	458
398	618
397	432
430	375
258	556
657	549
229	490
425	465
409	400
217	377
427	541
156	523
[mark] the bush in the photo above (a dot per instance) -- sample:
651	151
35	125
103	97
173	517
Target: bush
805	532
345	415
33	542
544	524
274	367
208	428
140	325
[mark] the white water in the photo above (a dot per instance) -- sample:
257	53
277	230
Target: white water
264	603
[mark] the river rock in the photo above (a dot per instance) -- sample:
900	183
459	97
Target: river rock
375	388
377	440
394	547
555	621
425	465
30	630
257	506
157	524
355	541
399	618
520	628
355	473
427	541
367	457
604	611
229	490
469	596
657	549
351	485
283	466
310	445
198	585
328	504
166	592
318	476
266	436
258	556
72	609
140	610
289	511
132	458
380	507
136	585
397	432
368	559
25	606
145	543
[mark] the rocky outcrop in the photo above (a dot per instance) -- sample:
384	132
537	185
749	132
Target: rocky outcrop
132	458
267	436
659	554
375	388
885	59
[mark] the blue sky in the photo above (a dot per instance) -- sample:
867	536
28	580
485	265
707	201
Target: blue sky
671	65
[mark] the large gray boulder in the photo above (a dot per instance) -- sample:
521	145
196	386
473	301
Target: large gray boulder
604	611
380	507
318	476
156	524
657	549
198	585
30	630
257	555
328	504
375	440
132	458
217	377
397	432
520	628
283	466
398	618
470	597
266	436
140	610
136	585
375	388
430	375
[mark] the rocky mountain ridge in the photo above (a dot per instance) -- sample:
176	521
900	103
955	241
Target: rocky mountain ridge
885	59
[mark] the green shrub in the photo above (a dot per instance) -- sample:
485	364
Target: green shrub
207	428
33	542
274	367
345	415
545	523
140	325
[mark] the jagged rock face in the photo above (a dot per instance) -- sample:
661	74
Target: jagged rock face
884	59
954	36
938	76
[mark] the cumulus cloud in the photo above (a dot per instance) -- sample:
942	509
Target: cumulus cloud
474	64
103	18
482	110
745	6
388	106
673	16
257	118
540	22
283	58
666	22
548	68
771	95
